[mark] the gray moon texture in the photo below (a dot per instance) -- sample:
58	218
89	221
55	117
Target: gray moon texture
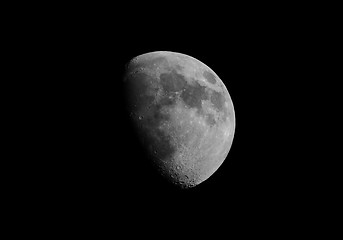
183	114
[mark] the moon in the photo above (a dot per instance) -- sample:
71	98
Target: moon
183	114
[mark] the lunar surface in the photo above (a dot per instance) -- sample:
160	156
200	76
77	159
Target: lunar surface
183	113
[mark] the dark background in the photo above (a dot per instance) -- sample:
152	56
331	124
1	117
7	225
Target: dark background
88	163
99	158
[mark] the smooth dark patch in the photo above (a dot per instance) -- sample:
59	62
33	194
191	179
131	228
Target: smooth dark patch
209	77
218	100
193	95
172	81
168	100
210	120
155	117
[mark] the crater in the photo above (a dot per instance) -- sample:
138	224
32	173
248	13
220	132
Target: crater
209	77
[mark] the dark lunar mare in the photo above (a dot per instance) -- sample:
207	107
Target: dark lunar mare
209	77
191	95
218	101
172	82
210	120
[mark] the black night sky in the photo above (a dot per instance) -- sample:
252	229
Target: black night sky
105	159
95	161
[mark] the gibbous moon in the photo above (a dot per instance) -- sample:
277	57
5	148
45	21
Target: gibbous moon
183	113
